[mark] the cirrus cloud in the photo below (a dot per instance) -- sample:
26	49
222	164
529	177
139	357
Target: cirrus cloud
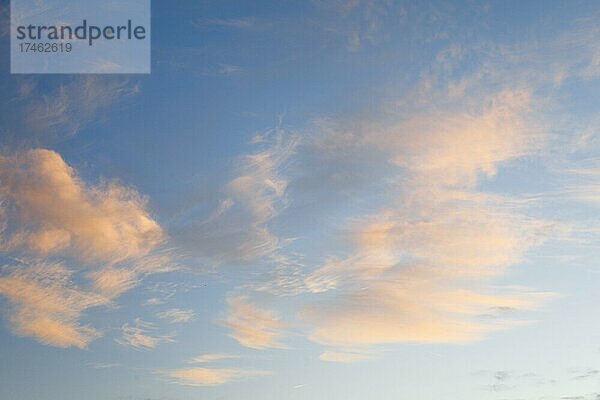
45	304
253	326
200	376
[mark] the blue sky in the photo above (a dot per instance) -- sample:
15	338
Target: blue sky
318	199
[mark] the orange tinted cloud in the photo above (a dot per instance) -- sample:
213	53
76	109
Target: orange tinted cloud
252	326
343	357
200	376
420	266
53	210
49	211
45	304
412	305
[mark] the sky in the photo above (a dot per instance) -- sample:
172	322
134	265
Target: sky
319	199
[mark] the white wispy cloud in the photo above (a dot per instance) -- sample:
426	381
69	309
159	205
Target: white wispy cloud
236	23
46	114
153	301
358	23
142	335
112	281
176	315
228	69
238	230
103	365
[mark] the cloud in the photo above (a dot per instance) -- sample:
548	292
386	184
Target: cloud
113	281
139	335
176	315
502	379
100	365
228	69
455	148
238	230
252	326
46	305
211	376
420	265
584	183
48	212
74	104
53	211
343	357
236	23
42	115
359	23
207	358
586	374
410	306
162	292
153	301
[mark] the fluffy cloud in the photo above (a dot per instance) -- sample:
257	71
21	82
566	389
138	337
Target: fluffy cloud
252	326
49	212
52	210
